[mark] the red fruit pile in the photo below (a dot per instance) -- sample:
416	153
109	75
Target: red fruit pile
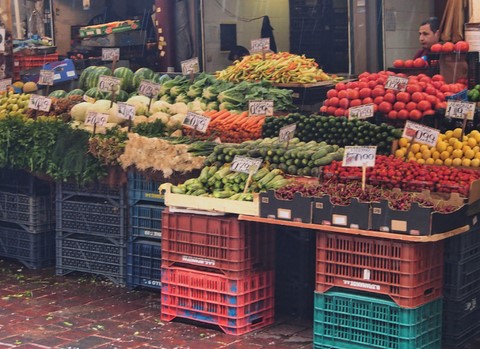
448	47
410	63
390	172
422	96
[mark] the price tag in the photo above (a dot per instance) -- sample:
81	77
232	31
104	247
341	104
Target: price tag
287	132
423	134
190	66
88	99
148	88
196	121
46	77
108	83
38	102
93	118
259	45
245	164
356	156
396	83
361	112
110	54
458	109
4	84
126	111
260	108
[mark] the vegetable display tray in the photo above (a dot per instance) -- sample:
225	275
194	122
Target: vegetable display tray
144	259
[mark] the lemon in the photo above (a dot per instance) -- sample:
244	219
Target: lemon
457	133
418	155
444	155
452	141
429	161
469	154
435	155
466	162
448	134
403	142
400	153
474	132
457	154
439	162
477	137
450	149
424	147
447	162
475	163
472	142
457	145
421	161
426	154
466	148
477	155
441	146
415	148
457	162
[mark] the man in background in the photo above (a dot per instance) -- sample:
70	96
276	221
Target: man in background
429	34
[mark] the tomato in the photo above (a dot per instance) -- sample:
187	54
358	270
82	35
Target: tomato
438	77
371	84
403	97
417	97
392	114
340	86
436	48
430	89
377	100
384	107
424	105
399	106
331	110
411	106
429	112
342	94
352	94
362	84
364	92
411	88
339	112
333	101
378	91
332	93
448	47
419	63
323	109
398	63
344	103
389	97
402	114
462	46
415	114
355	102
367	100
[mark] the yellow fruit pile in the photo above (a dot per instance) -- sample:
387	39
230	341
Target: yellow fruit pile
451	150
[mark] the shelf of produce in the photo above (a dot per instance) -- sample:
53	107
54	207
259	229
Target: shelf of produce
371	233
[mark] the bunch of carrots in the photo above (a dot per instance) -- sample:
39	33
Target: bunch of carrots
232	127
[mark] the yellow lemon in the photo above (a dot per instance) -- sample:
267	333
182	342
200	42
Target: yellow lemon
415	148
447	162
400	153
469	154
457	162
426	153
475	163
421	161
472	142
441	146
466	148
450	149
424	147
440	161
457	154
477	155
476	148
448	134
474	132
457	145
452	141
466	162
418	155
403	142
444	155
429	161
435	155
457	133
477	137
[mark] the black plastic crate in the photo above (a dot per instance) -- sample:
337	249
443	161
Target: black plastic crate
67	190
144	261
462	279
146	220
34	250
473	69
91	254
461	318
143	188
22	182
463	247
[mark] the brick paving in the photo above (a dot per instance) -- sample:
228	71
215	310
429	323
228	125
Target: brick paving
41	310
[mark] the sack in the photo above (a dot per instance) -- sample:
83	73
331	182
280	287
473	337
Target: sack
453	66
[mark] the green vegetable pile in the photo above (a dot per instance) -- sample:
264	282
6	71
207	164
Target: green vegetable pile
474	94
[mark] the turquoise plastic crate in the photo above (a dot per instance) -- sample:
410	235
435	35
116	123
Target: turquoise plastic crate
348	320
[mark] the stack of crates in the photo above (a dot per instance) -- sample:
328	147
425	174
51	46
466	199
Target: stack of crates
144	254
25	62
91	227
461	317
217	270
27	219
377	293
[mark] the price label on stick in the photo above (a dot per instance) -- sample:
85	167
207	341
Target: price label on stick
126	111
356	156
96	119
361	112
108	83
110	54
396	83
4	83
46	77
259	45
460	109
245	164
196	121
287	132
38	102
148	88
264	107
423	134
190	66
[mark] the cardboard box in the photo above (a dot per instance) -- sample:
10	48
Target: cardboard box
109	28
355	216
298	210
129	38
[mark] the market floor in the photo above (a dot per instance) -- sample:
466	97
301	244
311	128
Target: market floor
41	310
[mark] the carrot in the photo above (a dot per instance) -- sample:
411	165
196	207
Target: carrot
219	114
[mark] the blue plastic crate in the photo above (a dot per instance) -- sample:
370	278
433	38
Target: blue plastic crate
357	321
34	250
146	220
142	188
144	263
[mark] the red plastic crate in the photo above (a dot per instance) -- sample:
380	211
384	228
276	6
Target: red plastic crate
216	244
236	305
410	273
22	62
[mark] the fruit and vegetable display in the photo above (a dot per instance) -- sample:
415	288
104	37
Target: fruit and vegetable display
474	94
13	104
281	67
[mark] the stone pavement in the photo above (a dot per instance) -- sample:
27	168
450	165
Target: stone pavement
79	311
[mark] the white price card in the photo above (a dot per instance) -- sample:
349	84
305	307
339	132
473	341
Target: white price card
396	83
148	88
359	156
110	54
108	83
287	132
259	45
88	99
245	164
423	134
190	66
4	83
126	111
196	121
264	107
93	118
460	109
38	102
46	77
361	112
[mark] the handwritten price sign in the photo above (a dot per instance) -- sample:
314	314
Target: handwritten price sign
126	111
190	66
260	108
359	156
460	109
46	77
108	83
287	132
245	164
38	102
396	83
423	134
148	88
196	121
259	45
4	84
110	54
96	119
361	112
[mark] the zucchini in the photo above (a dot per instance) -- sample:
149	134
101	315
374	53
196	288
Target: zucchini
269	177
260	174
326	160
221	194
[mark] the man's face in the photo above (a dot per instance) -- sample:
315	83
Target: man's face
427	37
